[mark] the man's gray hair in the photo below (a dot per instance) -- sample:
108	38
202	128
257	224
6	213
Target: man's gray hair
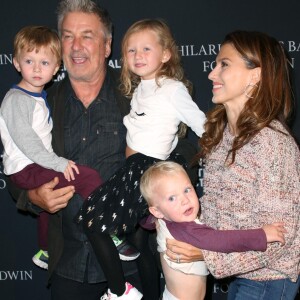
85	6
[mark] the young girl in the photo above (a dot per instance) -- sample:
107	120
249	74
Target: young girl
153	77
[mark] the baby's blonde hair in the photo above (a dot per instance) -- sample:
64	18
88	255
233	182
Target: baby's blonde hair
151	175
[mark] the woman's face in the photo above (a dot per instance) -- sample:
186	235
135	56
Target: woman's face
231	78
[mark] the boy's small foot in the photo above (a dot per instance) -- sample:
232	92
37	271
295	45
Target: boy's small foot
127	252
131	293
41	259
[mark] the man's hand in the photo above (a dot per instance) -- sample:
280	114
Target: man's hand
182	251
51	200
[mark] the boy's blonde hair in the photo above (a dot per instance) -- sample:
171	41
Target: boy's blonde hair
151	175
32	38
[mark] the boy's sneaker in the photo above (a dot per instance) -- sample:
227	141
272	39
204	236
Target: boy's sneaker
41	259
126	251
131	293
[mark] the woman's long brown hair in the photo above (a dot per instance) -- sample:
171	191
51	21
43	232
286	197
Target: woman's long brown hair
271	99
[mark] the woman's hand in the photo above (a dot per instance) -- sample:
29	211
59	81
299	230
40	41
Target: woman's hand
182	252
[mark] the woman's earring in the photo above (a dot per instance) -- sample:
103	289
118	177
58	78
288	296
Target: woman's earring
250	85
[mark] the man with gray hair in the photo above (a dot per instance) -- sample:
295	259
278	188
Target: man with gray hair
87	112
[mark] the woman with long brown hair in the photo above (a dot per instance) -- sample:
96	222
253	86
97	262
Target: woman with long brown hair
252	166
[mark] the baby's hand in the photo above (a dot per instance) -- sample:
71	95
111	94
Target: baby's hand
275	232
69	171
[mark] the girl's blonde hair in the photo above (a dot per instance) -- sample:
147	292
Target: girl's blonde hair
32	38
170	69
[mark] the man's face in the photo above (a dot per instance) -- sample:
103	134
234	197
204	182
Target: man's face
84	46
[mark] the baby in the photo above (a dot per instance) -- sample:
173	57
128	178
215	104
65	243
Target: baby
173	202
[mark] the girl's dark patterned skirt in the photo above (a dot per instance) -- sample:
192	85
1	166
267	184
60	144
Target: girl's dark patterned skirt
117	206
